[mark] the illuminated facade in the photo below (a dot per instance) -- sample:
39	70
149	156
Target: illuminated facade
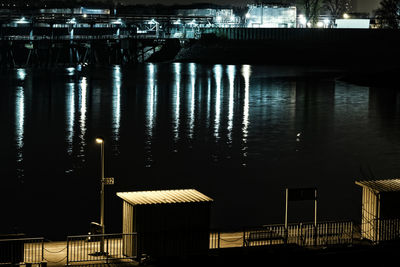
271	16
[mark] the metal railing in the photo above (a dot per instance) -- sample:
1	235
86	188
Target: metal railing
64	37
387	229
302	234
21	250
107	247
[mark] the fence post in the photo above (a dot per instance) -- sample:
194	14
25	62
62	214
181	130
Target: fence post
42	249
67	251
244	237
106	252
352	233
286	235
315	235
219	239
300	234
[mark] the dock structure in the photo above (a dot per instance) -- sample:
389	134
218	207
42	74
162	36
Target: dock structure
47	40
125	248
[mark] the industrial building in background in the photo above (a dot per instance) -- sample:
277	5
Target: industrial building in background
271	16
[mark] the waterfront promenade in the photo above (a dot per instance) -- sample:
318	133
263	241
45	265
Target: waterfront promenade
121	249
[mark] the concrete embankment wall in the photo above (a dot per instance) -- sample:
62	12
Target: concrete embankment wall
294	34
295	46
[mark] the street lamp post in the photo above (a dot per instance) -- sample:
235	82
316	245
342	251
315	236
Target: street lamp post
100	141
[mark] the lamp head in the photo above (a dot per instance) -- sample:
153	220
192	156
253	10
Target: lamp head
99	140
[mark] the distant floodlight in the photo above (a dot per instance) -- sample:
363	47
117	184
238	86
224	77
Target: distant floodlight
84	15
327	21
320	24
248	15
302	19
22	20
346	16
118	21
72	21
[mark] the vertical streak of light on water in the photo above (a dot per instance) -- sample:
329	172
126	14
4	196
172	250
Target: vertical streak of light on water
208	99
192	98
70	117
151	110
218	78
19	128
177	67
246	72
20	122
82	118
231	77
116	101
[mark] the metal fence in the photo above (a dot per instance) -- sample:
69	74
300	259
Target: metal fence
21	250
303	234
387	230
107	247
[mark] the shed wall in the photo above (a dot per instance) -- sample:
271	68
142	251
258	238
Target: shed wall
173	229
127	228
370	212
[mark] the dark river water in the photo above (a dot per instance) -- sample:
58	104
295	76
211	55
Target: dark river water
240	134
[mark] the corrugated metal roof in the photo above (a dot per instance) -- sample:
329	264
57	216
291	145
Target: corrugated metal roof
389	185
163	197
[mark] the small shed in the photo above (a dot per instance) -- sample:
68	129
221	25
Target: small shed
168	223
380	209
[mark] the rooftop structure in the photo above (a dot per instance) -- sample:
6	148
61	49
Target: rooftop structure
163	197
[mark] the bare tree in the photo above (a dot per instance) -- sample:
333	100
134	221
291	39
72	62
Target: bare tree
388	14
311	9
336	8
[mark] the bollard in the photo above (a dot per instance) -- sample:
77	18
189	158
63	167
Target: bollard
28	264
43	264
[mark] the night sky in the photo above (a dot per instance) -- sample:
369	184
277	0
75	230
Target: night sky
365	5
360	5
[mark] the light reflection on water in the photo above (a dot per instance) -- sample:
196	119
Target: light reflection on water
151	110
116	106
231	76
192	67
218	78
177	96
229	105
20	122
188	117
82	117
246	72
70	117
19	128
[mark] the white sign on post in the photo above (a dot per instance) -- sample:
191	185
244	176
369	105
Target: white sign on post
108	181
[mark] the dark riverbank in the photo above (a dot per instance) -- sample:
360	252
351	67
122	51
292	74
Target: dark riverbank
381	255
